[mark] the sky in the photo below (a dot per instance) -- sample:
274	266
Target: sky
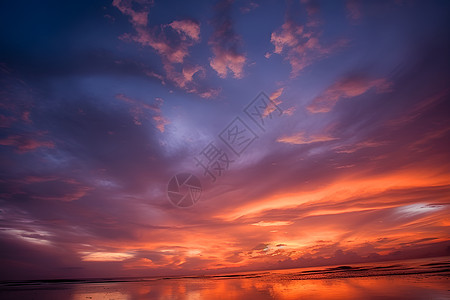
148	138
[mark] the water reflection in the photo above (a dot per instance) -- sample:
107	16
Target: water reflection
418	279
386	287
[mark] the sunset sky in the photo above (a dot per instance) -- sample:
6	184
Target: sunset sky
103	102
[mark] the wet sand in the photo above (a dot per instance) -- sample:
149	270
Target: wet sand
415	279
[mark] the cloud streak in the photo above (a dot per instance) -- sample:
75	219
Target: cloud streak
347	87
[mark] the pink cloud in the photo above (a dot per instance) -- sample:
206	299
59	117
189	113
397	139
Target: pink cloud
225	44
225	61
347	88
171	41
25	144
289	111
300	44
188	28
287	36
184	78
138	18
171	50
141	111
275	98
299	47
275	95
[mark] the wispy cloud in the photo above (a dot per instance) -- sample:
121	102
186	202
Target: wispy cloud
300	138
143	111
347	87
24	143
249	6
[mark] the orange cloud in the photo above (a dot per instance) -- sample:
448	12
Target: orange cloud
300	139
105	256
275	95
342	190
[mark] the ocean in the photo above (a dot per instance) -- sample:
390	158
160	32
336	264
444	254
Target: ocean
408	279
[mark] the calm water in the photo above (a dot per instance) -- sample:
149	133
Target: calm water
413	279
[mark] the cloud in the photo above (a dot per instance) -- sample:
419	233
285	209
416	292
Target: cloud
171	41
185	77
225	61
312	7
138	18
141	111
353	9
358	146
272	223
225	44
105	256
348	87
300	45
290	111
45	188
171	49
275	95
286	37
300	139
248	7
24	143
187	27
420	108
